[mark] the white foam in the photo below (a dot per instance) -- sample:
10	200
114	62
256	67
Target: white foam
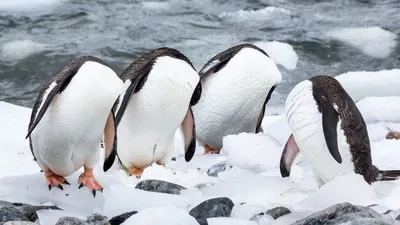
267	13
19	49
361	84
373	41
282	53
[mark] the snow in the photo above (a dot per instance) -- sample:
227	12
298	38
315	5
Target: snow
251	180
372	41
282	53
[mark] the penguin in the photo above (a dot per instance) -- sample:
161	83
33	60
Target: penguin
319	112
236	86
72	114
161	86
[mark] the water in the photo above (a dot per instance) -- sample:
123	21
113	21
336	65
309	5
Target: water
38	37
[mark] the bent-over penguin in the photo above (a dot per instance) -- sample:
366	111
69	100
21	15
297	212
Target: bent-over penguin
71	115
161	86
316	109
236	86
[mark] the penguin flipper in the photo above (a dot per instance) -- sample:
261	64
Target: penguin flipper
262	113
110	141
290	151
330	119
189	134
387	175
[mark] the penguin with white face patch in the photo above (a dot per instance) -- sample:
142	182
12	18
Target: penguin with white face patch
161	86
316	109
72	113
236	86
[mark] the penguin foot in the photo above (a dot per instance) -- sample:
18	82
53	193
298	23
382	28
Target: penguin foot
87	179
393	135
133	171
160	163
209	150
54	180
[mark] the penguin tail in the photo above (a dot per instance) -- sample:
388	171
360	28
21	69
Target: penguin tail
387	175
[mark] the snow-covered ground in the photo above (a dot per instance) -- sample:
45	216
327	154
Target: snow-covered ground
254	177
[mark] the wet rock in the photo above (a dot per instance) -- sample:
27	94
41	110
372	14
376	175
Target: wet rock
343	213
97	219
367	221
274	213
217	168
160	186
117	220
216	207
20	223
9	213
30	210
70	221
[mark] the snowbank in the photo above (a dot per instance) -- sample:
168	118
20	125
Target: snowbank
282	53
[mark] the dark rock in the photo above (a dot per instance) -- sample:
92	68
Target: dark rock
117	220
4	203
216	207
160	186
217	168
398	217
9	213
366	221
274	213
70	221
97	219
340	214
20	223
30	210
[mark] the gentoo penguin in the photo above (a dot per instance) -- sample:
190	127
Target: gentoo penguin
71	113
161	86
236	86
316	109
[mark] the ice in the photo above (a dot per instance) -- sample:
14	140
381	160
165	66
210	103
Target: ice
373	41
251	178
50	217
229	221
362	84
19	49
156	5
161	215
28	5
282	53
267	13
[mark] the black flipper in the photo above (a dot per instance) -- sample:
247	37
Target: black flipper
387	175
262	113
196	94
189	134
290	151
110	141
330	119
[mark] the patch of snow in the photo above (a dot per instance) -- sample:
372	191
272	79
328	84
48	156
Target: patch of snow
282	53
161	215
373	41
380	108
229	221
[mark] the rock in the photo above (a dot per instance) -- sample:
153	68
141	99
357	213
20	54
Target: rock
393	135
10	213
117	220
4	203
274	213
216	207
160	186
217	168
340	214
30	210
398	217
367	221
97	219
70	221
20	223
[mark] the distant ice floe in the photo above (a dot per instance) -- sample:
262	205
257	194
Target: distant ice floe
19	49
263	14
373	41
282	53
156	5
28	5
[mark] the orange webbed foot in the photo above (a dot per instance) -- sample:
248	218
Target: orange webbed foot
54	180
87	179
209	150
133	171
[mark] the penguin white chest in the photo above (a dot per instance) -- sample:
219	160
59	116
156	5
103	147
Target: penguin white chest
68	136
305	122
153	114
233	98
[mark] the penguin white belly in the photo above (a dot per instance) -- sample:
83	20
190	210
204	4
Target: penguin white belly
305	121
233	98
153	114
68	136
